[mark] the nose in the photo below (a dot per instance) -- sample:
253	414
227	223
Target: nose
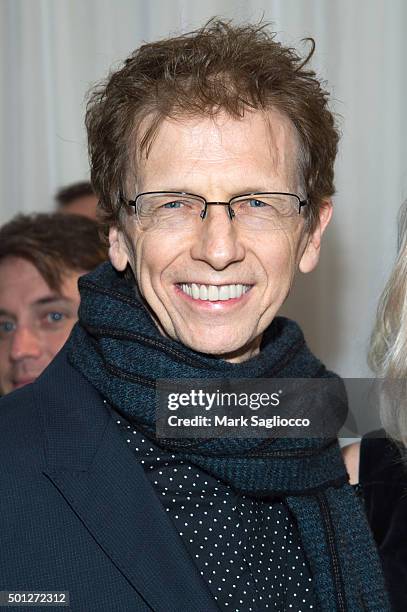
25	343
217	241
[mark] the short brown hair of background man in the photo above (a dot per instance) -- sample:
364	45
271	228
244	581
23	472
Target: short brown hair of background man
78	199
41	259
212	155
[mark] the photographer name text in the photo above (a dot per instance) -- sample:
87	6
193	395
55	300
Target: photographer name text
241	421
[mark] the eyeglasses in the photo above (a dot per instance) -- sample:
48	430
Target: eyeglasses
180	210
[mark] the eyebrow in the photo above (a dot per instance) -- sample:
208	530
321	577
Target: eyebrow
45	301
248	190
51	300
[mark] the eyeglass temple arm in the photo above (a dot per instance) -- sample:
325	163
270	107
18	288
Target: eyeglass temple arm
302	203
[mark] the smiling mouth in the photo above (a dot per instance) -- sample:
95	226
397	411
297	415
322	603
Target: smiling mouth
22	382
214	293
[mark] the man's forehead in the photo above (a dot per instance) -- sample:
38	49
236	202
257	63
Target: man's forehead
219	130
21	283
16	270
267	140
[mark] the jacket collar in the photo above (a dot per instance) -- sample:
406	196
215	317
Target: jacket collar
100	478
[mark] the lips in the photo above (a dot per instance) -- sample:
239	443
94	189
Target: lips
214	293
22	382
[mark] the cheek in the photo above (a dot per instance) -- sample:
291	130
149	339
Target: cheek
279	261
4	359
53	341
152	257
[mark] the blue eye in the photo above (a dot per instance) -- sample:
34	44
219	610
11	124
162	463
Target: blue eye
173	205
55	317
6	327
256	203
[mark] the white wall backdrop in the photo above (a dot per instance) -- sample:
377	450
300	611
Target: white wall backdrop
51	51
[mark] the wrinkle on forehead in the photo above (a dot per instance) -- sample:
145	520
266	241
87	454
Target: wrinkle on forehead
281	140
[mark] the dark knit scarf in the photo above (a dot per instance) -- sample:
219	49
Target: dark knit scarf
118	348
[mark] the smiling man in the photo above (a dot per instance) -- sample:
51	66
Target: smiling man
41	259
203	278
212	156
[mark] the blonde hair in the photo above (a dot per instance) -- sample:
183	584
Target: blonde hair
388	344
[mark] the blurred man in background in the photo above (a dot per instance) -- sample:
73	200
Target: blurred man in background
41	259
77	199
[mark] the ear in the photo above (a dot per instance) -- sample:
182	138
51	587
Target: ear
310	256
118	253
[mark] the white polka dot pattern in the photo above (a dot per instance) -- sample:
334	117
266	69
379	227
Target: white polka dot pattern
247	550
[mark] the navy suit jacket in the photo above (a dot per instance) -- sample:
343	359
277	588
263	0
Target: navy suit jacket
77	512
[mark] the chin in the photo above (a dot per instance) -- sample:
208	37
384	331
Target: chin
210	343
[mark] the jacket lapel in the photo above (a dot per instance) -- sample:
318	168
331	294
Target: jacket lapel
99	477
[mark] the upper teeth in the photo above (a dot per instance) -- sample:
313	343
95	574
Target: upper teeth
214	292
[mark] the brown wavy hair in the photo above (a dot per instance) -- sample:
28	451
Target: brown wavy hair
54	243
220	67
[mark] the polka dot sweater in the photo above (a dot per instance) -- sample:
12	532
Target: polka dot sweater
248	551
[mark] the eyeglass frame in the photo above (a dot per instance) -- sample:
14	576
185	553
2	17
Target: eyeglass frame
207	203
